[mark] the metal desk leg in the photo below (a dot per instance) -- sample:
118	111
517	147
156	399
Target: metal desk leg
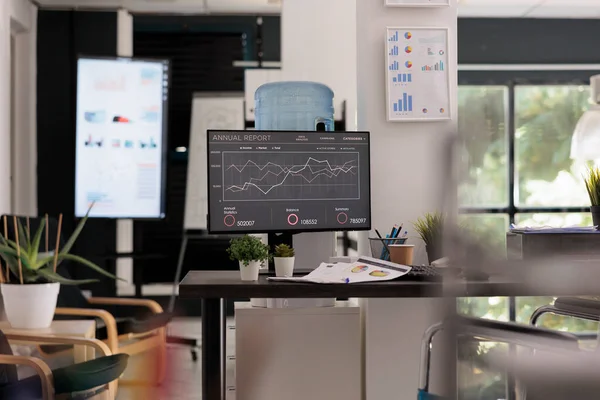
211	350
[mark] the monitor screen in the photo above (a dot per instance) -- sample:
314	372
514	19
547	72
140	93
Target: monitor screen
282	181
121	137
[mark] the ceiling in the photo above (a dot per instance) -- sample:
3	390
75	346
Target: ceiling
467	8
530	8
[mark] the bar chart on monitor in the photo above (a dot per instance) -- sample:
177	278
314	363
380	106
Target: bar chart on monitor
417	74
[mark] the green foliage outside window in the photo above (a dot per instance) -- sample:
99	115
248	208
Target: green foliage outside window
545	175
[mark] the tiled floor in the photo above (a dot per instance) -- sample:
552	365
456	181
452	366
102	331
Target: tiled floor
184	377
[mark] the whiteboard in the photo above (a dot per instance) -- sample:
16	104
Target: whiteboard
209	111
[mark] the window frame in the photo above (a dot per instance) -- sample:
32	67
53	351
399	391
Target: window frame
511	79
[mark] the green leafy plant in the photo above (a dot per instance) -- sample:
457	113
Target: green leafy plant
248	248
40	267
430	228
283	250
592	184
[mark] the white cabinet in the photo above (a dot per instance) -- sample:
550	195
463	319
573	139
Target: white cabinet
298	354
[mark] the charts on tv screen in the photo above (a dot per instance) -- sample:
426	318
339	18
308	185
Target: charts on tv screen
263	181
121	125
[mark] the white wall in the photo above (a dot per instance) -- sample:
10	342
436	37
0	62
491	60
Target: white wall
394	327
317	44
18	18
24	168
5	134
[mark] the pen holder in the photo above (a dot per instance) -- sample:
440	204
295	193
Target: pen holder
378	249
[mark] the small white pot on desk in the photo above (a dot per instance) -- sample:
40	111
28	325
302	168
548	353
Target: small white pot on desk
284	266
30	306
250	272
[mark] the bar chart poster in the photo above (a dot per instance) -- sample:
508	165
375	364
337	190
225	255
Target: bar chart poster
417	74
416	3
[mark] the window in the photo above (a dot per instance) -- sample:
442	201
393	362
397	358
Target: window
516	168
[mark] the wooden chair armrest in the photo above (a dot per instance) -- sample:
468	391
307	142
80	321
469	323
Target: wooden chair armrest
40	368
98	345
118	301
112	334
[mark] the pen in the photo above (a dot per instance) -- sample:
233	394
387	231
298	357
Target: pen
385	247
392	234
398	231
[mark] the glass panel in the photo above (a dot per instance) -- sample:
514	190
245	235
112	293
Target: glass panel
554	219
489	229
483	154
545	118
495	308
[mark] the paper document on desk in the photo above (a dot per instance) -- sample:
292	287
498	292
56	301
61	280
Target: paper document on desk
549	229
365	269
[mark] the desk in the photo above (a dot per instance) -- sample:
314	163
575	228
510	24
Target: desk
76	328
213	288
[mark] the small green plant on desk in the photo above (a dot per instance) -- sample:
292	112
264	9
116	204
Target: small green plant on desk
592	184
430	228
284	260
283	250
250	252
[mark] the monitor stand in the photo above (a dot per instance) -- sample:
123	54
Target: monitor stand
276	239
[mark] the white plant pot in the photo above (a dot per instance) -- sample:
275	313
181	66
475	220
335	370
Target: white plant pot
284	266
30	306
250	272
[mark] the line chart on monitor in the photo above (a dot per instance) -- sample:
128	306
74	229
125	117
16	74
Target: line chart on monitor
287	175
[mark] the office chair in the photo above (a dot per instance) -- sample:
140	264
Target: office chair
493	331
575	307
92	377
122	335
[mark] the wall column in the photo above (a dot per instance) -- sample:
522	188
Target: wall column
124	266
414	151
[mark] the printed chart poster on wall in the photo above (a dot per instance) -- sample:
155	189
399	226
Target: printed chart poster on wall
417	3
121	135
417	79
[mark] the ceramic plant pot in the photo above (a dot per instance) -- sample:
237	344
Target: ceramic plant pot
284	266
30	306
249	272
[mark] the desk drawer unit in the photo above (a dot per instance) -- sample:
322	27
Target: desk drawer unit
298	354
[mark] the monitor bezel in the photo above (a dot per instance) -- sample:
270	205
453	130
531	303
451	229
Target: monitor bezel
287	231
165	148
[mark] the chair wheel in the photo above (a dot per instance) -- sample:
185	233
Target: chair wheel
194	355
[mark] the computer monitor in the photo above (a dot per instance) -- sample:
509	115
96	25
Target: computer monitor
288	181
120	156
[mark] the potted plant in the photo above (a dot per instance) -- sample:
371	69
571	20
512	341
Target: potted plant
250	251
592	184
30	296
284	260
430	228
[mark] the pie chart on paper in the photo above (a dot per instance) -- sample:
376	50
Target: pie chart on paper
408	49
408	64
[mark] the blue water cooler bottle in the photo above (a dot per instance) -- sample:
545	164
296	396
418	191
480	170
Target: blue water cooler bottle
294	106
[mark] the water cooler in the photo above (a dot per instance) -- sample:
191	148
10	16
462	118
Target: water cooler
297	106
